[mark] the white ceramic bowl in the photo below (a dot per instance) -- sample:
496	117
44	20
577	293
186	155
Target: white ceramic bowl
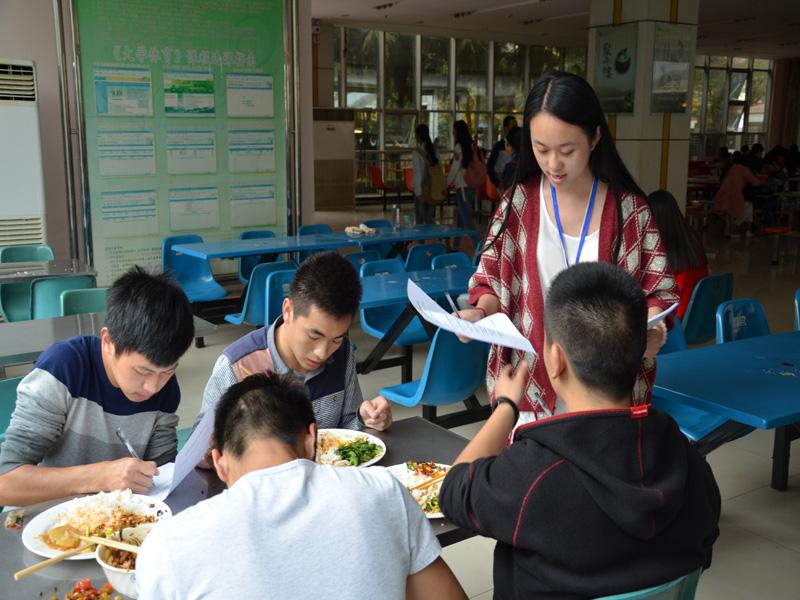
122	580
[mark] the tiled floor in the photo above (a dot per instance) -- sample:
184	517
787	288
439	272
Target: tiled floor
758	552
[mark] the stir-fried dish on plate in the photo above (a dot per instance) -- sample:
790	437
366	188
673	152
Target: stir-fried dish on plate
347	448
424	480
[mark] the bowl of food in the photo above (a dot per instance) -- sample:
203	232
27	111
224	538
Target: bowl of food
119	566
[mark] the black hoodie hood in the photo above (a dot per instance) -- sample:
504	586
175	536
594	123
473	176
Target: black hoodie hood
634	466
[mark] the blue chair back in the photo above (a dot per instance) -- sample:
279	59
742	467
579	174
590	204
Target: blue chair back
452	373
193	274
699	320
277	288
8	400
682	588
740	319
676	341
308	230
77	302
15	301
383	250
248	263
46	293
420	256
254	308
359	258
451	260
382	267
797	310
26	253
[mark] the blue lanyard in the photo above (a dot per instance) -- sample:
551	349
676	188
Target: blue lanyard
586	221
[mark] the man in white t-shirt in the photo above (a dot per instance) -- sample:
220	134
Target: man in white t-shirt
287	527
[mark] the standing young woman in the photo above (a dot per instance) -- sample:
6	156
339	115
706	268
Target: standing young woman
572	201
462	156
424	154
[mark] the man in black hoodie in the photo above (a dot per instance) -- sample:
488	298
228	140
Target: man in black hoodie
605	499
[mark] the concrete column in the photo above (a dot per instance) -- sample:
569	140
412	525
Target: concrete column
655	147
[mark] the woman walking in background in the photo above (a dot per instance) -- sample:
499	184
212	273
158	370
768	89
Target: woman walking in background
463	153
423	157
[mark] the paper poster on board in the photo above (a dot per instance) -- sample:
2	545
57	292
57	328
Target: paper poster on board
252	205
191	152
129	213
251	150
615	67
188	93
126	153
249	95
671	68
193	208
122	91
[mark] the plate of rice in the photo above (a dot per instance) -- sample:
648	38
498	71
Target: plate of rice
104	515
348	448
413	474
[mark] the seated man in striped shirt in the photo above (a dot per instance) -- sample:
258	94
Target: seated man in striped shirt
62	439
309	340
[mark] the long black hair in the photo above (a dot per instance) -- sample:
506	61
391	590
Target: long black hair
464	139
424	135
684	249
571	99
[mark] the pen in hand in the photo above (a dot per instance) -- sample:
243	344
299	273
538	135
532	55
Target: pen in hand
124	439
452	304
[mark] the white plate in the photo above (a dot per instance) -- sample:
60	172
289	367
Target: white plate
404	475
353	434
45	521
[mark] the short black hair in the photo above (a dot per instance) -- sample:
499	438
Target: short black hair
514	138
149	314
598	314
326	280
265	405
509	119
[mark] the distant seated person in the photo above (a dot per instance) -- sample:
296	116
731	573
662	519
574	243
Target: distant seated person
513	140
730	199
62	440
605	499
498	157
685	254
291	528
309	340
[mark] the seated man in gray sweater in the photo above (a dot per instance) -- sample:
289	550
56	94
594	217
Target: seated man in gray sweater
62	439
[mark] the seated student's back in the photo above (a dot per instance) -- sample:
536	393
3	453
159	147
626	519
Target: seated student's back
605	499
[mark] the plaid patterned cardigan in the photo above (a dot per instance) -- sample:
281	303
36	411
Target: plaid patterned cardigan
508	270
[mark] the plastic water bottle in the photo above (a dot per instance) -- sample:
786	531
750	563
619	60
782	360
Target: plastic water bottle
396	215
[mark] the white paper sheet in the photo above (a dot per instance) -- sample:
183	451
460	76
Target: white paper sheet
171	474
653	321
494	329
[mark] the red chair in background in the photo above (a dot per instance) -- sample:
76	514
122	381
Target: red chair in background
379	184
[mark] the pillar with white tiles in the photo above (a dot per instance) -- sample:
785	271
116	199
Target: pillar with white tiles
654	146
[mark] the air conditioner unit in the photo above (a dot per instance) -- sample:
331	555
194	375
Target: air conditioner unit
21	175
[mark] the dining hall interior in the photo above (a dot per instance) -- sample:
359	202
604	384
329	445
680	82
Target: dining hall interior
228	142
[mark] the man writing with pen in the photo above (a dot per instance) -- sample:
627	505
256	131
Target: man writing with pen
92	405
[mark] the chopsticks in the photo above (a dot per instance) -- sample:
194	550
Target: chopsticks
50	561
426	484
108	542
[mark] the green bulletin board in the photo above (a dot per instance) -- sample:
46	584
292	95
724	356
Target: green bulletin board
183	102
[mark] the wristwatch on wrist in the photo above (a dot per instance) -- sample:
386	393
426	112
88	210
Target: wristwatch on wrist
510	402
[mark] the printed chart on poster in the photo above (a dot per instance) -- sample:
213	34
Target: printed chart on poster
181	114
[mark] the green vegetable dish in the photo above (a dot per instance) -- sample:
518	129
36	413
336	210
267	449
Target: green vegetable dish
358	451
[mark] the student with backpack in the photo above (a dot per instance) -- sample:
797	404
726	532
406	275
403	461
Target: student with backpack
467	172
429	182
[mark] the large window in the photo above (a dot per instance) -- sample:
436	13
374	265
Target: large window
395	81
729	103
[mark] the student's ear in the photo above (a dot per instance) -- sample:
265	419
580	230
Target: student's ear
220	465
310	442
287	310
556	362
105	342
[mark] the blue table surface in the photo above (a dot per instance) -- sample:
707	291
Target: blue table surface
380	290
318	241
754	381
